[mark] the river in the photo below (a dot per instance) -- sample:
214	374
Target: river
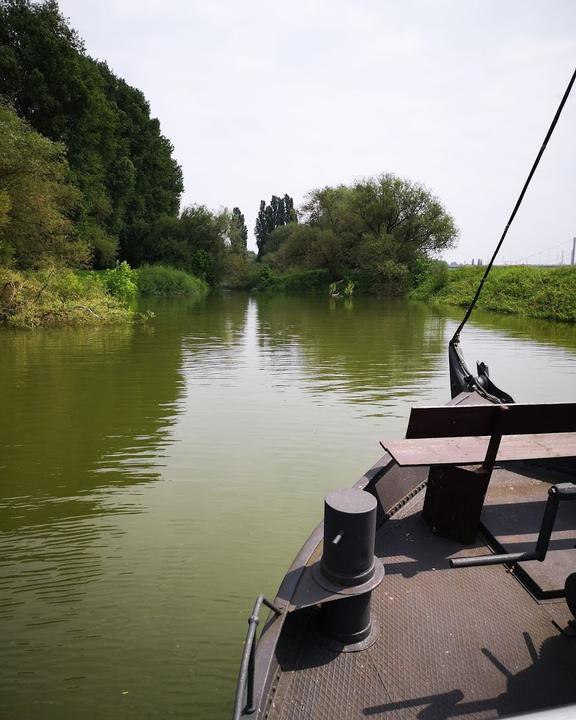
154	479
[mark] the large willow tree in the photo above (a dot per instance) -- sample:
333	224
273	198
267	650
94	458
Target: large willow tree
378	230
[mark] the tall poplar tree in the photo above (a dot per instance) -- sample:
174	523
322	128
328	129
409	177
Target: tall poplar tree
238	232
279	212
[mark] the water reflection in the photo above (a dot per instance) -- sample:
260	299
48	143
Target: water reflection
84	409
514	327
366	350
86	412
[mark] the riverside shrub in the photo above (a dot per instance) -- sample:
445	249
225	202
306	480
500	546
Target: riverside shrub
431	277
121	281
57	296
292	282
165	280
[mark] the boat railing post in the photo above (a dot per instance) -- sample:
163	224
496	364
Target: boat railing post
247	665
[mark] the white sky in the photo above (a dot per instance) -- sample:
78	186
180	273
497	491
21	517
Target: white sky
262	98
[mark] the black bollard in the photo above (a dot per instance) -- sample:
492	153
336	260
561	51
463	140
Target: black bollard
347	621
348	562
349	536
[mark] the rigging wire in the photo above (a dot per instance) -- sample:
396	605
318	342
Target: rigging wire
456	336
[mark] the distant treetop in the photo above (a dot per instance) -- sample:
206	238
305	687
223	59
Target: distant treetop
279	212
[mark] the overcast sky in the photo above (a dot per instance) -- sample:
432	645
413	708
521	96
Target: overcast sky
262	98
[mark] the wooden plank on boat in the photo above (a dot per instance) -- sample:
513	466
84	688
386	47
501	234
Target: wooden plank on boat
472	450
477	420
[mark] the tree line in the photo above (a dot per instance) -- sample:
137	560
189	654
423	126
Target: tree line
86	176
87	179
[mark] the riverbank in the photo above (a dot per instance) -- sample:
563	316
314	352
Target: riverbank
535	292
56	297
59	297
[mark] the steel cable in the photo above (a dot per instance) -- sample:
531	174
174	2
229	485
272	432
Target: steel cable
456	335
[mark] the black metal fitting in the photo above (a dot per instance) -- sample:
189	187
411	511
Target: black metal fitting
349	537
349	569
247	666
561	491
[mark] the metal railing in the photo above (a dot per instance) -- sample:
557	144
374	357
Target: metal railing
246	675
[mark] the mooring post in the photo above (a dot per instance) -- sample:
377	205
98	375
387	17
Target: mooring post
348	561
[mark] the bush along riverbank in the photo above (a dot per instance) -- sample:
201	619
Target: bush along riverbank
537	292
168	281
59	296
295	282
389	279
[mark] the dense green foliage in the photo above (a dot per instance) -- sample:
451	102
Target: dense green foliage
118	158
194	242
431	277
57	297
87	180
37	203
278	213
536	292
162	280
375	232
295	281
121	282
237	232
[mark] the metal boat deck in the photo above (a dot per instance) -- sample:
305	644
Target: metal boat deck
471	642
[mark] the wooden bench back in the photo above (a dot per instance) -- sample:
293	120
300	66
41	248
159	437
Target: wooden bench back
448	421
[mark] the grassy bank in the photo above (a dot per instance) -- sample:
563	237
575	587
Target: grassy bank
57	296
548	293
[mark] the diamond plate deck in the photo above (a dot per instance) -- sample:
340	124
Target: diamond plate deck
469	643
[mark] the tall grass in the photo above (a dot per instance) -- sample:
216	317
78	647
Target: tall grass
164	280
548	293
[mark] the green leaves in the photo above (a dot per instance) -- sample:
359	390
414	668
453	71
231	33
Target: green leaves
36	200
119	160
375	231
237	232
279	212
121	282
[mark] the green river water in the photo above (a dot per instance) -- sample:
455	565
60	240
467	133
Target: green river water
155	479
